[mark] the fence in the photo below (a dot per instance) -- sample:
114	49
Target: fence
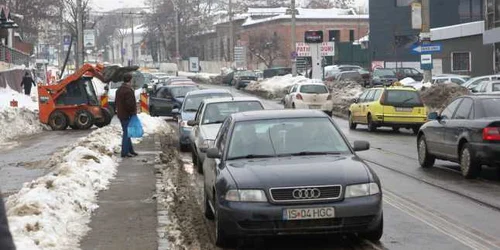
13	56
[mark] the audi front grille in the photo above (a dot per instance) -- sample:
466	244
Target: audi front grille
309	193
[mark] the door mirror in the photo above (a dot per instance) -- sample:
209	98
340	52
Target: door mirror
175	111
192	123
361	146
433	116
213	153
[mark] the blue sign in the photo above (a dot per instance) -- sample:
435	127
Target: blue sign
294	55
426	49
426	62
67	40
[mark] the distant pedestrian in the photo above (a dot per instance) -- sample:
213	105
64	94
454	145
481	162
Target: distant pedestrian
199	67
126	107
6	242
26	83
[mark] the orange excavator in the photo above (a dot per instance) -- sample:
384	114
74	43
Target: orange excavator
73	101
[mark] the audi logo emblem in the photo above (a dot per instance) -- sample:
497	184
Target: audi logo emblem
306	193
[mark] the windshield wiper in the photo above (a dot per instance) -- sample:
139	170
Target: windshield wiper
313	153
190	110
407	100
251	156
214	122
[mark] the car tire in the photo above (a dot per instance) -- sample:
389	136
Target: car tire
221	238
425	159
352	124
209	214
371	125
375	234
194	159
58	120
469	165
293	105
184	148
107	116
152	111
83	119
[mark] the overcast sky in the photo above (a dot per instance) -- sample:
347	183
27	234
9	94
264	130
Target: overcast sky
107	5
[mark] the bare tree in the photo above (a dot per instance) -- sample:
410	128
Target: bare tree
320	4
267	47
343	4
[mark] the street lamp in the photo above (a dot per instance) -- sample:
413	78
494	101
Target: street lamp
177	52
293	11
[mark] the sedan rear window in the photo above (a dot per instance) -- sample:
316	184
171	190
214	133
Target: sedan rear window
181	91
217	112
192	103
282	137
313	89
403	98
488	108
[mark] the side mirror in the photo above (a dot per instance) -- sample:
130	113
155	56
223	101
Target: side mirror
361	146
213	153
175	111
192	123
433	116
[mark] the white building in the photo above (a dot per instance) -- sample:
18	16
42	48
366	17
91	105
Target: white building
126	49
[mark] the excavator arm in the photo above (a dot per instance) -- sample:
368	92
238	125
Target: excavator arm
57	90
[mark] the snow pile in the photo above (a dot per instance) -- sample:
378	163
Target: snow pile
151	125
15	122
438	96
343	95
276	87
204	78
407	81
52	212
24	101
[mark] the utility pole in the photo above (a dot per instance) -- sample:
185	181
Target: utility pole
425	34
294	41
79	22
61	38
231	33
177	52
133	39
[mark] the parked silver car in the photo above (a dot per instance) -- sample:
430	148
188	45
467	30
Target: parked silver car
209	118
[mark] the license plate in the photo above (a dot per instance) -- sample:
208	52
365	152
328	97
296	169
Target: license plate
308	213
314	106
404	109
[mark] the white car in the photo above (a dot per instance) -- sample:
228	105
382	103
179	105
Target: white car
310	95
460	80
113	87
208	120
487	87
473	82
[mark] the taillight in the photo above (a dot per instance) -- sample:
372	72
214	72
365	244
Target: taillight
491	134
329	97
299	97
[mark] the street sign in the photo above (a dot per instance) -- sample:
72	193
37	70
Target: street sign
416	16
89	38
194	64
427	48
313	36
240	56
326	49
294	55
426	62
66	42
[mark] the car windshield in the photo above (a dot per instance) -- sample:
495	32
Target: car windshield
115	85
181	91
217	112
246	73
384	72
313	89
403	98
191	103
285	137
488	108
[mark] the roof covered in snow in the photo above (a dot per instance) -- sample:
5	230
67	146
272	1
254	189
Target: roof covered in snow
303	13
457	31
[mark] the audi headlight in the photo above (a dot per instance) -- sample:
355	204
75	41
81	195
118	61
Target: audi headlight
361	190
245	195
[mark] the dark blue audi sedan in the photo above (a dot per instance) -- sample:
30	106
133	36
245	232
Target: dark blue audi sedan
278	172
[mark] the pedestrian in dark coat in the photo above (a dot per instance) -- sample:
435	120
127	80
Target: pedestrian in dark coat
126	107
6	242
26	83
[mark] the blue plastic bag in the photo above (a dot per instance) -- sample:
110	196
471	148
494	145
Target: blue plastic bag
134	129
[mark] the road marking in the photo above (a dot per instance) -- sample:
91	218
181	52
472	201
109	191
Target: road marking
466	235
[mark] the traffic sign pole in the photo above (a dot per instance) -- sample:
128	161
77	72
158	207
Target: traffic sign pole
426	41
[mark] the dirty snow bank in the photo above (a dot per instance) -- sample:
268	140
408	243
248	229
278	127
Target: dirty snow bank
204	78
277	86
15	122
438	96
343	95
52	212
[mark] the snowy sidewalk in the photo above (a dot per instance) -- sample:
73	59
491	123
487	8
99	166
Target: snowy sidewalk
127	213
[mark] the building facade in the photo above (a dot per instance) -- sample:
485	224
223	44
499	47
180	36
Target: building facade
272	27
491	34
391	34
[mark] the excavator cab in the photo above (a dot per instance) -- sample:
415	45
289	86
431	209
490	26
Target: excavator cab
74	102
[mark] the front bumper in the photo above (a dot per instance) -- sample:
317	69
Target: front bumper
487	153
184	135
353	215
